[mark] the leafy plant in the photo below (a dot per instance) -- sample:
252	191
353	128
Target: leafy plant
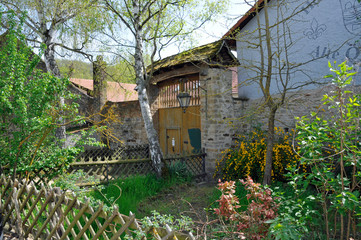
157	221
252	223
330	149
30	110
74	181
295	214
178	170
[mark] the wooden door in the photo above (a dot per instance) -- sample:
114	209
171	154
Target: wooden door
183	127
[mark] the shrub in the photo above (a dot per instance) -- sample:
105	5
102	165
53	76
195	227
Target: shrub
248	157
180	172
330	148
253	222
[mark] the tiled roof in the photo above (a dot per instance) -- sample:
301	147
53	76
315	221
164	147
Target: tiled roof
116	92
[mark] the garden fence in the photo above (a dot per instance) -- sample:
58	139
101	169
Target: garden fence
109	164
52	214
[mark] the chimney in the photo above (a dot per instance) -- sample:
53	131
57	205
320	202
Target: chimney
99	83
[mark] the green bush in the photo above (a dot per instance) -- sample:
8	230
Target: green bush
30	109
330	149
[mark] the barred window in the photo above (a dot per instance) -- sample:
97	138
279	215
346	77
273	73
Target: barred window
169	90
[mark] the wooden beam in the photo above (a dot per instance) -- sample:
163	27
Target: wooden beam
175	73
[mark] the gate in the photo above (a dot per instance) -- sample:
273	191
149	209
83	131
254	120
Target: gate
179	132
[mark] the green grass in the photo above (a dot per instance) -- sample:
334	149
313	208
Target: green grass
129	192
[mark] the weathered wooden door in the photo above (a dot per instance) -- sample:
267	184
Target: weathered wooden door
183	128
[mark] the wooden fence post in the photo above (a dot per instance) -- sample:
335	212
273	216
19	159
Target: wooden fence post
18	221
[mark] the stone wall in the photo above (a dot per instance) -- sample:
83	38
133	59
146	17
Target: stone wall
253	113
223	117
153	94
217	113
130	128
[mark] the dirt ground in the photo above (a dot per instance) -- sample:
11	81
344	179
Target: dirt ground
193	200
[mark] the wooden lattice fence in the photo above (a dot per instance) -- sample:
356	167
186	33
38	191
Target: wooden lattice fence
112	164
119	153
52	214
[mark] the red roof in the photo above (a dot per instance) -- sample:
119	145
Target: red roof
116	92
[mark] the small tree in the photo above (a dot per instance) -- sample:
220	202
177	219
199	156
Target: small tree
330	149
52	24
30	108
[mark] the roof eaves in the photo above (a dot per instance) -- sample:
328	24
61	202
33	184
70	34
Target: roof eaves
244	20
198	54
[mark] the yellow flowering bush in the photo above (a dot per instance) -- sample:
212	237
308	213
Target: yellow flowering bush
248	157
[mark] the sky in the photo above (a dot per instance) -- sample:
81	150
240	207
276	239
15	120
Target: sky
213	31
210	32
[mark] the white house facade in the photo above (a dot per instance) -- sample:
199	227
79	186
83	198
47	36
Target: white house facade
304	36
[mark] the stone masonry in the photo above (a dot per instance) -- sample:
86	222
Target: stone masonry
130	128
301	103
217	112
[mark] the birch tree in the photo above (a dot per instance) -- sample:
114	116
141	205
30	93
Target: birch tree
53	23
151	25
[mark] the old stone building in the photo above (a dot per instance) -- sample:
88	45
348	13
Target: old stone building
98	95
205	73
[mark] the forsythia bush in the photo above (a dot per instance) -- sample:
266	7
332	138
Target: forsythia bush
248	157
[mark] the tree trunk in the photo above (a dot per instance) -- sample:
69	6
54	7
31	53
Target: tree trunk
154	146
52	67
267	177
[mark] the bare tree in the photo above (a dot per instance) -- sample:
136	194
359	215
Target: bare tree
273	65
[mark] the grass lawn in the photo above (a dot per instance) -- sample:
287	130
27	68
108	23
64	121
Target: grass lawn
143	194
